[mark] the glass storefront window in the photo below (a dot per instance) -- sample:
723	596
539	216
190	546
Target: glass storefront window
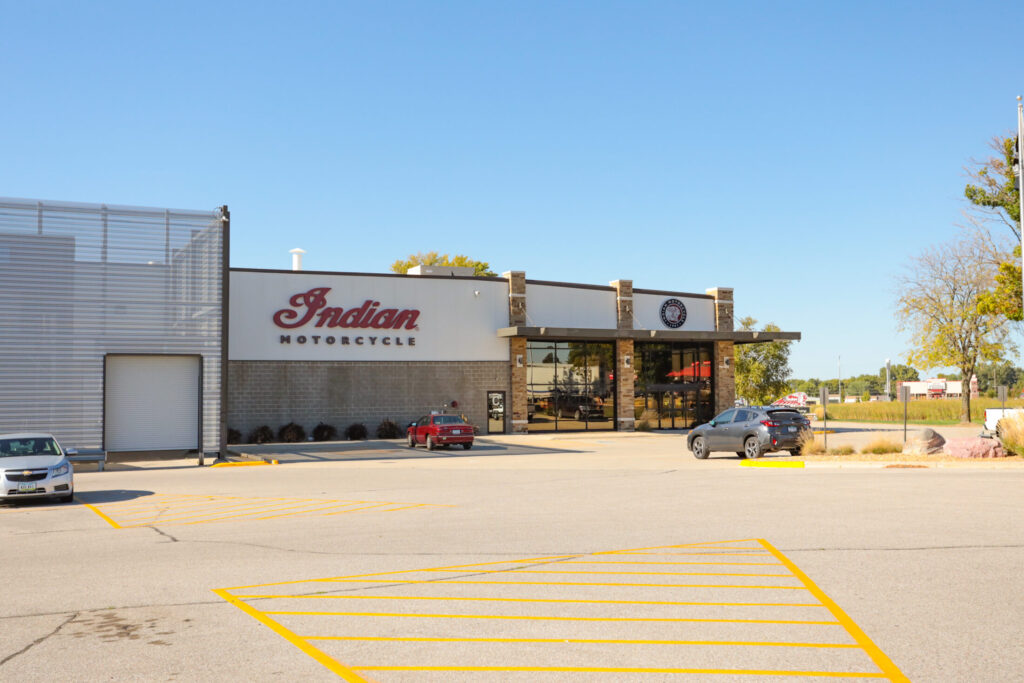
570	386
673	384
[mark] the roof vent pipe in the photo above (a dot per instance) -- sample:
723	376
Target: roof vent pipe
297	258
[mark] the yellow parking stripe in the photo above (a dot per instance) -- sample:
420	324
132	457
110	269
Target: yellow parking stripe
541	600
762	564
877	656
571	583
102	516
557	571
332	664
522	617
624	670
589	641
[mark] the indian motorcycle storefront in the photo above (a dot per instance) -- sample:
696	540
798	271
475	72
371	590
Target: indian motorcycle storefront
511	354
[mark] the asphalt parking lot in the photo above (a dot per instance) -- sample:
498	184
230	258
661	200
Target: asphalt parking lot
563	557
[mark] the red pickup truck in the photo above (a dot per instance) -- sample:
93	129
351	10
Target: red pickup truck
440	430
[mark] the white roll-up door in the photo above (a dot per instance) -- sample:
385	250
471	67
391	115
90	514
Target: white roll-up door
152	403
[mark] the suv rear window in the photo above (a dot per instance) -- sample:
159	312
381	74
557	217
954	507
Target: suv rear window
785	415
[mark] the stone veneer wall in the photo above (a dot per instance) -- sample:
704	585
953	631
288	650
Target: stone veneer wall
274	393
725	355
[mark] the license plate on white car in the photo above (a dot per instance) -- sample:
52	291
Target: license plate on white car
26	486
791	429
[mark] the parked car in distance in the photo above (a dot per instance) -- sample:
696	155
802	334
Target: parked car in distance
440	430
579	407
34	466
751	432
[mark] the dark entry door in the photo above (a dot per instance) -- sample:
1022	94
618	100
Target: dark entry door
495	412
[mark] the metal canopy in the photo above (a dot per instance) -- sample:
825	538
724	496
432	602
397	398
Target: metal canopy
584	333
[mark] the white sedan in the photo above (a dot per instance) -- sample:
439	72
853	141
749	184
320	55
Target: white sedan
34	466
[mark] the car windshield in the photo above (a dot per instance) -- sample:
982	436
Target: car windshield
11	448
447	420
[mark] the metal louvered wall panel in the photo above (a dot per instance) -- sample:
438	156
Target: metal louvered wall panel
80	281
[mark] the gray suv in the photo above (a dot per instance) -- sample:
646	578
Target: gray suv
750	432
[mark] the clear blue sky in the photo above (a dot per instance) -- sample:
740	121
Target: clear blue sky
799	152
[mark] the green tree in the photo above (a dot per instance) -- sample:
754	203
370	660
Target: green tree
432	258
762	369
995	199
899	373
938	306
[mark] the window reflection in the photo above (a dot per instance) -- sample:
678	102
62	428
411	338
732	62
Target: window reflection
673	387
570	386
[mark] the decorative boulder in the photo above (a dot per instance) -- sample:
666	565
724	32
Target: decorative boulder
925	442
975	448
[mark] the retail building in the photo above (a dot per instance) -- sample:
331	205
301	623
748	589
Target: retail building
119	320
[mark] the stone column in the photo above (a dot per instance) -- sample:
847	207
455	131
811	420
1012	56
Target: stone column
517	351
625	377
724	355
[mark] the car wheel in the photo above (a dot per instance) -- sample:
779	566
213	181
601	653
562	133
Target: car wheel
794	451
412	441
578	416
751	447
430	443
699	448
467	446
66	499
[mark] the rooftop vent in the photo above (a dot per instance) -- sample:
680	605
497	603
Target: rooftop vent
297	258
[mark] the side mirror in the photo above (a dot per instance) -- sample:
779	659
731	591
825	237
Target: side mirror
712	423
412	424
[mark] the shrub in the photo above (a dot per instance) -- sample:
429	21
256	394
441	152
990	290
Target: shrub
263	434
881	446
643	426
324	432
809	445
234	436
291	433
1011	433
389	430
841	450
356	432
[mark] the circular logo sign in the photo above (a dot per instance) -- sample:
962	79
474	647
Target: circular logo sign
673	313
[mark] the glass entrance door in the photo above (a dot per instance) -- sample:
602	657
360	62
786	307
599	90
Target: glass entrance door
495	412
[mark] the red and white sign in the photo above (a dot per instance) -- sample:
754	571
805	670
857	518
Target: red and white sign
797	400
336	317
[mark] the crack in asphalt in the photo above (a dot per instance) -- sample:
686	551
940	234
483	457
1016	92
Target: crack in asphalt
164	534
40	639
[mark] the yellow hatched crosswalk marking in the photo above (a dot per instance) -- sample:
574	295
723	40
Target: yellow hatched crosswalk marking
636	618
188	510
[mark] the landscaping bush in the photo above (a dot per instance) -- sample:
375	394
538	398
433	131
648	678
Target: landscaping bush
234	436
389	430
262	434
1011	433
841	450
809	445
356	432
291	433
882	446
324	432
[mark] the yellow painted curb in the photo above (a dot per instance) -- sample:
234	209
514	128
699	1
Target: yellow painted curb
247	463
824	431
762	463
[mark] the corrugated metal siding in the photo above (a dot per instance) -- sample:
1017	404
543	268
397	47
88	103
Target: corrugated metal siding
79	281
